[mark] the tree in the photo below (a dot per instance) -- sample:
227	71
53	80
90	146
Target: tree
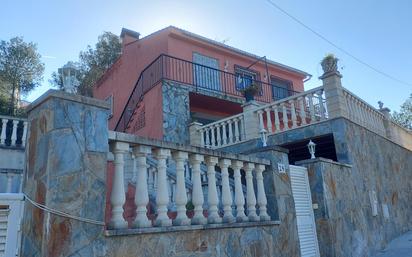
93	62
21	69
404	116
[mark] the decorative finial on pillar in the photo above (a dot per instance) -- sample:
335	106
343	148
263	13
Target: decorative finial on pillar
330	64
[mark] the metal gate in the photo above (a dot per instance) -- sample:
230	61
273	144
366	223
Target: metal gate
304	213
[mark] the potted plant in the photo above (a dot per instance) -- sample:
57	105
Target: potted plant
329	63
250	91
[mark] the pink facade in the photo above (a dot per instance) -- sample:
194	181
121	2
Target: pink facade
137	54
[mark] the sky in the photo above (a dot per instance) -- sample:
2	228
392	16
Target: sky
378	32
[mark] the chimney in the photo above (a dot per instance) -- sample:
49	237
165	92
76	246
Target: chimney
128	36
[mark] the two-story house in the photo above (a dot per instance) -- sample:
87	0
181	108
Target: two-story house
173	77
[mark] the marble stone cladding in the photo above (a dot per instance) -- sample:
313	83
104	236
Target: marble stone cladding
66	169
176	112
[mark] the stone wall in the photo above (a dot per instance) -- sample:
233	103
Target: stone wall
345	224
66	170
176	112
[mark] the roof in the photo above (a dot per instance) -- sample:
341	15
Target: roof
219	44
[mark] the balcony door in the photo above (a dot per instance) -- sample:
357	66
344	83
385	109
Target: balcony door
206	72
280	88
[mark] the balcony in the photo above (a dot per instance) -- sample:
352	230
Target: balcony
204	79
304	109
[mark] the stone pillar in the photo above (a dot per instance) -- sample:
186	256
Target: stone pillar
250	120
335	100
195	136
66	157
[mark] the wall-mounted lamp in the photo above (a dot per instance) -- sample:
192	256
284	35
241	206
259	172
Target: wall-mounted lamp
263	137
311	147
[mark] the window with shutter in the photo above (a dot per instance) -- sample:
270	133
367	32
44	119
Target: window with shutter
206	74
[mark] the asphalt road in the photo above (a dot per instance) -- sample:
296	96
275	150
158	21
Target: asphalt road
399	247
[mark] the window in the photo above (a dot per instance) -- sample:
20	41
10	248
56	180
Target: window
280	88
244	77
206	74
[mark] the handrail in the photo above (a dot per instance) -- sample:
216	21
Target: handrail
363	102
12	118
240	115
313	90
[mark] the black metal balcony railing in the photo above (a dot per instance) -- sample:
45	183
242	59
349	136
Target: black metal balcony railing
200	76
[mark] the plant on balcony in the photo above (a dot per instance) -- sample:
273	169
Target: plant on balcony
329	63
250	91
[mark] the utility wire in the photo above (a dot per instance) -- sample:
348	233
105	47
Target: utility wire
336	46
63	214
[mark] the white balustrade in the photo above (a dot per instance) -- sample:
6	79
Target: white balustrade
364	114
201	188
300	110
222	133
10	132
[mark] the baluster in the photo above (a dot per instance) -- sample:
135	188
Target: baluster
9	182
213	200
311	109
260	115
224	135
277	123
23	137
226	195
230	132
118	195
285	116
261	195
202	137
349	104
293	113
241	128
321	106
219	138
141	197
14	133
250	192
301	101
181	196
237	131
207	144
239	197
213	142
162	195
268	120
197	193
3	131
